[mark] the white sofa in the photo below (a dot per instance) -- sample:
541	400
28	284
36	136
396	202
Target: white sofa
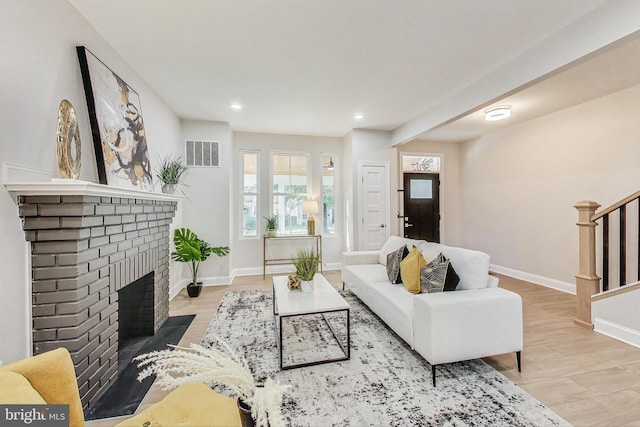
476	320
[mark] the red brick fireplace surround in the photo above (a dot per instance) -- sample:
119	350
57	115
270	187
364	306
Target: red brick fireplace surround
89	241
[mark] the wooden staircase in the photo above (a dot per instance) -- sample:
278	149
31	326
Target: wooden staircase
589	286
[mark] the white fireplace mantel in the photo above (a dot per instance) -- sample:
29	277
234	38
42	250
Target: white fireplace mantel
74	187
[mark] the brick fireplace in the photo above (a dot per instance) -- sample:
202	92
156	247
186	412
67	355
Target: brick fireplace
87	245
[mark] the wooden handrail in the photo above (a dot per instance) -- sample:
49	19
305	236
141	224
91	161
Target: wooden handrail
616	291
615	206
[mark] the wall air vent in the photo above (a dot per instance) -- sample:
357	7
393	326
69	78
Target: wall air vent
202	153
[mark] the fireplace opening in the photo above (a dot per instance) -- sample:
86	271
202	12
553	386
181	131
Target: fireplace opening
135	318
135	308
136	336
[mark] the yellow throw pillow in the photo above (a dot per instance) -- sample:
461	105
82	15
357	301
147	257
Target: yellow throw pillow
17	390
410	270
192	404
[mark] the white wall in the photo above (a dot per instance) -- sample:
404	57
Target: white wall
449	154
374	146
519	185
39	68
207	207
248	258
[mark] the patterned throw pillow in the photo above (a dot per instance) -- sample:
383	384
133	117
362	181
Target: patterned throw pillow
393	263
410	270
438	276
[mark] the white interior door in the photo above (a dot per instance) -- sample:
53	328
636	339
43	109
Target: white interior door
374	206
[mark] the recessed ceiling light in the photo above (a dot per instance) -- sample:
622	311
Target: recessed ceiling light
497	113
236	107
358	117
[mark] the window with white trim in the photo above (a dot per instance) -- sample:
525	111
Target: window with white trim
328	195
250	193
291	187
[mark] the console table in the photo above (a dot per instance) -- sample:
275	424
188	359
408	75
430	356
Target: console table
269	261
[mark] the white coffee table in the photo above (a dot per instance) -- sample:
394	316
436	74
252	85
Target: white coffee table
324	299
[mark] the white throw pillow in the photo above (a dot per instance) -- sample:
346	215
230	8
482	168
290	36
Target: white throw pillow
392	244
472	266
430	250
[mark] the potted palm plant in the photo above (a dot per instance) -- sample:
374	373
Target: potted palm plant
271	226
306	264
172	173
193	250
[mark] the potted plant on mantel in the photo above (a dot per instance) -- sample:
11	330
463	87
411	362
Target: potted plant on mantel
306	264
172	173
271	226
193	250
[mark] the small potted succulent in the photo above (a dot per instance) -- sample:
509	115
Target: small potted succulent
306	264
271	226
171	173
193	250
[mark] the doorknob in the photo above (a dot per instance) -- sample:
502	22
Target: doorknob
406	225
382	225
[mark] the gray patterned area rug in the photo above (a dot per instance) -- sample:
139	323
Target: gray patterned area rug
385	383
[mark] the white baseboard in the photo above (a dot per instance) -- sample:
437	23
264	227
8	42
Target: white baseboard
173	291
250	271
215	281
569	288
618	332
206	281
271	269
333	266
278	269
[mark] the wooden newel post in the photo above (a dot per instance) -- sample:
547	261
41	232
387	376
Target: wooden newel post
587	281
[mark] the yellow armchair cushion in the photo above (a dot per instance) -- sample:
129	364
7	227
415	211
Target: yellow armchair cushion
16	389
189	405
53	376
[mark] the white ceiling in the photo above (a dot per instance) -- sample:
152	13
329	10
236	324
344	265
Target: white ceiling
609	70
307	66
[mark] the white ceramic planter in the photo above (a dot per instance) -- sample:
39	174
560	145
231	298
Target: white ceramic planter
306	286
169	188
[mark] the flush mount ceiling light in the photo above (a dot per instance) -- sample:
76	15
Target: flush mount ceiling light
236	107
497	113
358	116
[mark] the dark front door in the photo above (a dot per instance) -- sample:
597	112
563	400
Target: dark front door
422	206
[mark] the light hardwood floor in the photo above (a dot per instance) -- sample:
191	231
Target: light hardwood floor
585	377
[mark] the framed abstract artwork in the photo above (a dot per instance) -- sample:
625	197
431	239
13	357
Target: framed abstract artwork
117	128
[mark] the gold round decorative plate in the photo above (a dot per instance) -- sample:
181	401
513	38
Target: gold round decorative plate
68	132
